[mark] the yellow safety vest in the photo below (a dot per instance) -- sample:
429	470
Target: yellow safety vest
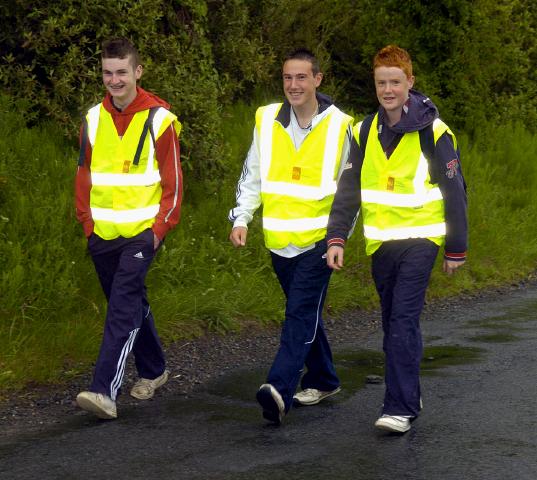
398	199
124	198
298	186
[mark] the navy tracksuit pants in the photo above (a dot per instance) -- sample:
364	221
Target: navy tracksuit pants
304	280
122	265
401	271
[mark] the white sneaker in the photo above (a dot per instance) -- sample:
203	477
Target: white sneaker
97	403
393	423
312	396
144	389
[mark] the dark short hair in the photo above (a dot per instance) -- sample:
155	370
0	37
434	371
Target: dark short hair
304	54
120	48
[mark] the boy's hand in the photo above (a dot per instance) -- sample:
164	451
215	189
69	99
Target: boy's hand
238	236
334	257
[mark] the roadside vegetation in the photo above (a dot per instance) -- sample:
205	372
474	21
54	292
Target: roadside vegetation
52	308
215	62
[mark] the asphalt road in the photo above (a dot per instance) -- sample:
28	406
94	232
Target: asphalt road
479	420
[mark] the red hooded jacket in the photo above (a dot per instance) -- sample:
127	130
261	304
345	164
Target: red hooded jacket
169	165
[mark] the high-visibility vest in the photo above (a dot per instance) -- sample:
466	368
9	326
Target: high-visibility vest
398	199
298	186
125	193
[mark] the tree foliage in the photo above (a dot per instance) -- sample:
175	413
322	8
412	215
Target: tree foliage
475	59
51	58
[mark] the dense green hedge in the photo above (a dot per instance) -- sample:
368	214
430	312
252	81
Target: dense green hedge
476	59
51	54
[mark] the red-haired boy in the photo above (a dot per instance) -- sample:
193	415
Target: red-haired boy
404	173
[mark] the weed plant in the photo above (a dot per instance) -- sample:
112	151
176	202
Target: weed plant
52	308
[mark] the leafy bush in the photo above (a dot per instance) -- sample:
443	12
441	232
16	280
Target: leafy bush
468	55
51	63
204	54
242	56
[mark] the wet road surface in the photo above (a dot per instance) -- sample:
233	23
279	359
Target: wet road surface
479	384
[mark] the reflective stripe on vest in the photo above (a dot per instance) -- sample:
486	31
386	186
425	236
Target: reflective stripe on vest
298	186
423	231
398	199
401	199
124	198
125	216
295	224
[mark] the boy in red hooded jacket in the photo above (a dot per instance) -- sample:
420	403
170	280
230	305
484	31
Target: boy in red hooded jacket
128	190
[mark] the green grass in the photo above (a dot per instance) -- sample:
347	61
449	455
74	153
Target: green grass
502	195
52	308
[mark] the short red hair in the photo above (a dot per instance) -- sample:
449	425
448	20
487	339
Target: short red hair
393	56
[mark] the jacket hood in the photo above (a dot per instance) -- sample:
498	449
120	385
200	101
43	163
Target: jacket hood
143	101
418	113
324	101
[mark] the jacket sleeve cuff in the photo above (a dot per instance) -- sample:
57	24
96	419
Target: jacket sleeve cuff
455	257
335	242
160	230
240	223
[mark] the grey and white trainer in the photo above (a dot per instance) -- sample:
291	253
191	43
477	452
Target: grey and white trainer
101	405
393	423
312	396
144	388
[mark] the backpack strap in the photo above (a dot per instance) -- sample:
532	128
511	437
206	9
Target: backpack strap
427	143
83	143
148	126
364	131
